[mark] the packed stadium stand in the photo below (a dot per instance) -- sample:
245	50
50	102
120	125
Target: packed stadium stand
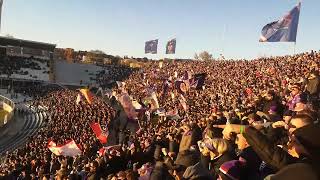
24	59
246	115
24	68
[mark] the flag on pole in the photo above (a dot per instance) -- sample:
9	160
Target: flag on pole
87	94
183	102
171	47
126	102
70	148
151	47
181	86
151	99
283	30
103	137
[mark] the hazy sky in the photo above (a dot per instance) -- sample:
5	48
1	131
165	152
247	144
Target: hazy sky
121	27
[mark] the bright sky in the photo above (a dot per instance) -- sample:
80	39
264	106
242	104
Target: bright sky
121	27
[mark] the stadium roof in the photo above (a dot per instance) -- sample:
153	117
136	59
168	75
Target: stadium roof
8	41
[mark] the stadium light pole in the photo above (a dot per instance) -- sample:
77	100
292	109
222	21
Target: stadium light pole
1	3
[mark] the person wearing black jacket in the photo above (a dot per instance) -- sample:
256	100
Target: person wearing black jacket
303	144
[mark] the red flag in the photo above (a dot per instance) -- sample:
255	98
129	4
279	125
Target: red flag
103	138
86	93
70	148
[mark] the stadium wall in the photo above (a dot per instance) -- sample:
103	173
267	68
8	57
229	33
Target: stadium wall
7	105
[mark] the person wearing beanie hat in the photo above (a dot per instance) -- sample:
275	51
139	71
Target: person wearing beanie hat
271	99
232	170
273	115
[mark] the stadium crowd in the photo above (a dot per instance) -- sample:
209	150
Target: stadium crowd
15	65
113	73
253	119
67	121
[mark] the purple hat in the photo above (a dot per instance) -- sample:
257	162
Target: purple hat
273	109
232	169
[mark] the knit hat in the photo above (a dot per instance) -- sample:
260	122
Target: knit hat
232	169
273	109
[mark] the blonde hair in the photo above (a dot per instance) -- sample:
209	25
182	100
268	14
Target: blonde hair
221	145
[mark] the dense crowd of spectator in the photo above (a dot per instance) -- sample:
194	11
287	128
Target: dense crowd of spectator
253	119
107	77
67	120
13	65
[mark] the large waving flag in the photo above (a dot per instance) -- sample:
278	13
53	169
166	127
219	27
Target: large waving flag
181	86
87	94
69	149
152	100
183	102
103	137
171	46
283	30
126	102
151	46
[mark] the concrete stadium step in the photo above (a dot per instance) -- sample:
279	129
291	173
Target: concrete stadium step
35	122
25	126
21	141
17	141
28	123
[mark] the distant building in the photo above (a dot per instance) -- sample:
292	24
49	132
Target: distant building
58	54
69	54
24	48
